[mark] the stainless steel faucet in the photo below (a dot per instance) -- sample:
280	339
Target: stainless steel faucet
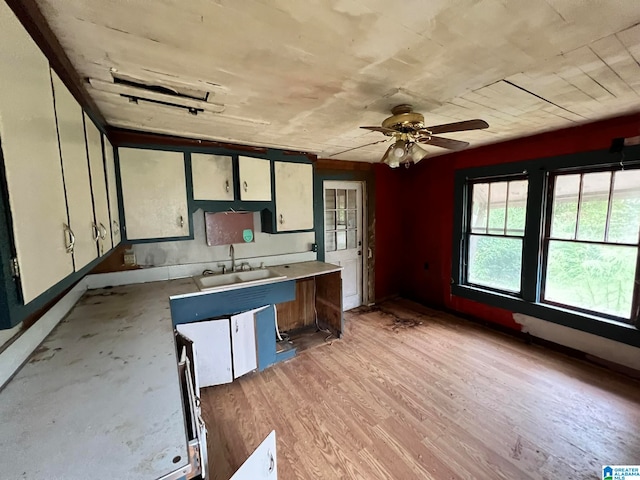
232	253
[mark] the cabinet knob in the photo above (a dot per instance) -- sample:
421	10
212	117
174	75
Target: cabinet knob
236	326
72	238
226	185
281	219
272	462
103	231
245	186
181	221
116	227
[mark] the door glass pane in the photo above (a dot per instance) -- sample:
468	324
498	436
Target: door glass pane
497	206
330	198
592	277
565	206
330	220
351	199
351	219
330	242
593	206
341	219
352	238
624	223
517	207
480	198
495	262
341	240
341	199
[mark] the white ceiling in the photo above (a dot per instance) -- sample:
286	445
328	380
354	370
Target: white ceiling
305	75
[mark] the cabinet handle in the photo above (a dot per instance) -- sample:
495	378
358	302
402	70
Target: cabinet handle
103	231
226	185
181	221
72	238
236	326
245	186
281	219
116	227
272	462
96	232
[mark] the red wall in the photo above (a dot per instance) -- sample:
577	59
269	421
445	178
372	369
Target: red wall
425	203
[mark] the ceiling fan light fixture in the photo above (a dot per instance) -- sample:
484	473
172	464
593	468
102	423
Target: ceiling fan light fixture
399	149
417	153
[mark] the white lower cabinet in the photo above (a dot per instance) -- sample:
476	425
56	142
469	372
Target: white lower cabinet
154	194
262	464
243	342
211	341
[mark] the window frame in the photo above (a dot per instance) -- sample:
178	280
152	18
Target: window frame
535	243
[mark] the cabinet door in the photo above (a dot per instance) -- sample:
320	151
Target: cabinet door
29	143
255	179
112	191
294	196
154	194
243	341
76	173
262	464
211	341
98	186
212	177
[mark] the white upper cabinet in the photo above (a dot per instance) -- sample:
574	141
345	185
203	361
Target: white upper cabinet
255	179
294	196
32	160
112	190
212	177
154	193
98	186
76	173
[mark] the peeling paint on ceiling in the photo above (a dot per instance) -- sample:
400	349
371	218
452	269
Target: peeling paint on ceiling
306	75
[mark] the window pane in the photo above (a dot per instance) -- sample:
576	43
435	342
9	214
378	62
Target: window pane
351	239
495	262
624	223
341	198
517	207
351	199
480	198
330	199
330	242
341	219
341	240
565	206
593	206
351	219
592	277
497	207
330	220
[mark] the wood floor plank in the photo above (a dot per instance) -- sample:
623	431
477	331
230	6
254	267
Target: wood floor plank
410	392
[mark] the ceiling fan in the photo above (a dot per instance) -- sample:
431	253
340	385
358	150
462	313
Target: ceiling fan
407	130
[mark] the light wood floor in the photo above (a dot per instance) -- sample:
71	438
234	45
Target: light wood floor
441	399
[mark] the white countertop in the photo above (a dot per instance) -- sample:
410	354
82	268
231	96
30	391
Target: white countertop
100	398
295	271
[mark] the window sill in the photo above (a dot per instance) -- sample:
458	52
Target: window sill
603	327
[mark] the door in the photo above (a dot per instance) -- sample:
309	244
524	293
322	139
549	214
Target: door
98	186
29	143
113	191
73	149
255	179
343	225
212	345
243	342
212	177
262	464
294	196
154	193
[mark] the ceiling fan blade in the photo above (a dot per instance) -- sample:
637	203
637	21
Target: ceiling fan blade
361	146
386	131
476	124
446	143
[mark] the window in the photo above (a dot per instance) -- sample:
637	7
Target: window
495	233
592	242
554	238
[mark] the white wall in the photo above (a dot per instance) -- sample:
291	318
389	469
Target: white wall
265	246
600	347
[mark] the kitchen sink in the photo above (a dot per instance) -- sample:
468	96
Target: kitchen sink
227	281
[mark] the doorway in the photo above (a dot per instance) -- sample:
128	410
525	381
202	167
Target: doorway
344	224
